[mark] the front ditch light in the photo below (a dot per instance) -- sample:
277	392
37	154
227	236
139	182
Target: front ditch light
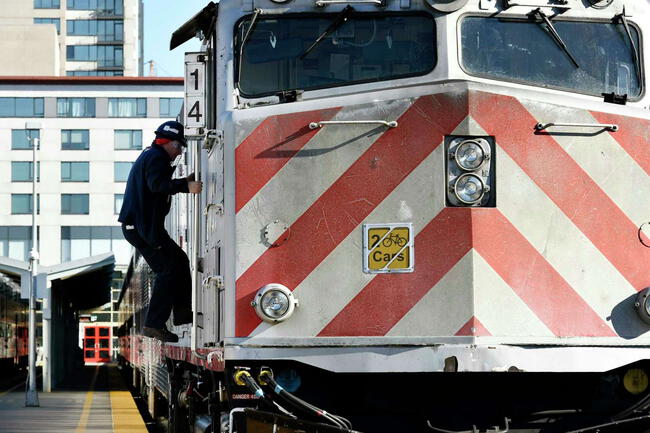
274	303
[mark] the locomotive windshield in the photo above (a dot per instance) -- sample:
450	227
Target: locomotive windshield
525	51
280	53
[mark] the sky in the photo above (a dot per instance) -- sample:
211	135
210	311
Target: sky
161	19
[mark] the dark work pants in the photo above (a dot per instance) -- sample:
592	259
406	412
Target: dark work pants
172	285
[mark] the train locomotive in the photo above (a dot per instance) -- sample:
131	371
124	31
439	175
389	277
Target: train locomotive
418	215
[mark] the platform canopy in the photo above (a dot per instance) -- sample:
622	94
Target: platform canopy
85	282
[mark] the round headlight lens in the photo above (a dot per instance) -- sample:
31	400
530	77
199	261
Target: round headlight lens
647	305
275	304
469	155
469	188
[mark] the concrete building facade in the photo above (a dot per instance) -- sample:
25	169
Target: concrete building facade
91	131
86	37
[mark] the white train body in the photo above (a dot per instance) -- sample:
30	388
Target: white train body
437	187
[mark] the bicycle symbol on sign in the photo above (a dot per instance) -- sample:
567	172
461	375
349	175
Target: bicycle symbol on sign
389	240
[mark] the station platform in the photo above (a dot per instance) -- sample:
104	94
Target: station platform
96	401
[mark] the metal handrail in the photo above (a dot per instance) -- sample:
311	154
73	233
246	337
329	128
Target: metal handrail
316	125
509	4
196	239
609	126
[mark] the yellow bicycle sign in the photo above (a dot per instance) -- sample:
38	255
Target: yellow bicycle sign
388	248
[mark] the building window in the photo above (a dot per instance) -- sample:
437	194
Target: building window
127	107
121	171
55	21
47	4
117	201
105	30
128	139
74	139
21	204
104	55
74	171
94	73
21	107
79	242
103	7
75	107
170	107
15	242
74	204
20	138
21	171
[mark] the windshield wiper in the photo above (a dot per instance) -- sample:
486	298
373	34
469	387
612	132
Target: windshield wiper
243	42
340	19
554	34
637	62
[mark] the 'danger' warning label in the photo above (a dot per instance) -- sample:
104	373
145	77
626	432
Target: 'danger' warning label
388	248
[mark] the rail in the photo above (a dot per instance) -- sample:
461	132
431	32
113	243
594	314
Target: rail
196	239
608	126
316	125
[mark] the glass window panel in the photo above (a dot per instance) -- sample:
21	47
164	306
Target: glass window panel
74	204
127	107
79	242
128	139
122	250
47	4
90	331
21	107
75	139
21	204
74	171
495	49
55	21
121	171
21	171
117	203
170	107
363	49
20	138
100	240
75	107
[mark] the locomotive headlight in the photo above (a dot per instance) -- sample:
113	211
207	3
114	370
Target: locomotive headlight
274	303
469	188
642	305
470	155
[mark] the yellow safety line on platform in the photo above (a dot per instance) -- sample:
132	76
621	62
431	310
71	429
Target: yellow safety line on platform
126	416
85	412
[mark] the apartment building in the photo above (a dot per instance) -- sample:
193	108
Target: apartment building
72	37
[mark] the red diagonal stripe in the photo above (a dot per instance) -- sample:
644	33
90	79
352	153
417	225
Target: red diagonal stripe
269	147
565	183
473	327
350	200
633	136
533	279
388	297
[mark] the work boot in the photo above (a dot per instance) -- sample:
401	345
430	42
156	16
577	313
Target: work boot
182	316
160	334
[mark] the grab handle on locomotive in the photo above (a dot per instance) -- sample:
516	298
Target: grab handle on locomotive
316	125
608	126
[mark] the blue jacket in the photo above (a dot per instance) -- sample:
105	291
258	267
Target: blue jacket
147	197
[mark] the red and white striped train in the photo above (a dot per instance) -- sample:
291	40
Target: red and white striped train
418	215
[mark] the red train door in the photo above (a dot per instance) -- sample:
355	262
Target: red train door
97	344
